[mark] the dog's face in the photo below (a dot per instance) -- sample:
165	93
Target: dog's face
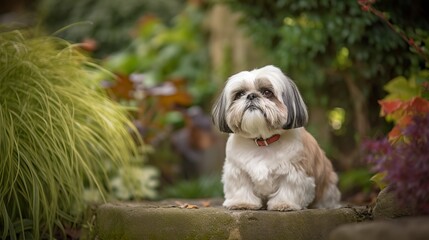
259	103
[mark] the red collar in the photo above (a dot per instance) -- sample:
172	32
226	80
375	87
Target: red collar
260	142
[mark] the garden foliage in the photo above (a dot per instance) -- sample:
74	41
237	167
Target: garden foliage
60	137
108	22
164	71
163	53
402	159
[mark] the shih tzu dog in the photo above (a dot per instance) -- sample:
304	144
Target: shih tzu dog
271	160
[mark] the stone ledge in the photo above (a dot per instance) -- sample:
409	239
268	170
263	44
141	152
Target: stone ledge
407	228
162	220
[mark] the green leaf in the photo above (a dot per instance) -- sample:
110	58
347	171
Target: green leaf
379	180
122	63
401	88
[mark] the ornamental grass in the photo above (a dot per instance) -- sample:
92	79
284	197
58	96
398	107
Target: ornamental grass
59	135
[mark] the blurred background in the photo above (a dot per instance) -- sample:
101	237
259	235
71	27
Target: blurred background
171	59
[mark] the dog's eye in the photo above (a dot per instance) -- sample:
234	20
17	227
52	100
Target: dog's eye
267	93
239	95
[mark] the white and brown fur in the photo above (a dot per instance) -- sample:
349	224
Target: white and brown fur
290	174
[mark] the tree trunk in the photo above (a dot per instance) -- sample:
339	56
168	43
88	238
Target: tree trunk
361	121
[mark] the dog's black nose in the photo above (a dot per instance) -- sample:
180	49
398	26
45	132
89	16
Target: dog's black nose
252	96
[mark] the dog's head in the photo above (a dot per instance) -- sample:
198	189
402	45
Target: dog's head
259	103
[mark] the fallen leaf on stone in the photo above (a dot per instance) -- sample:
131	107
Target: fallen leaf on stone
191	206
205	203
186	205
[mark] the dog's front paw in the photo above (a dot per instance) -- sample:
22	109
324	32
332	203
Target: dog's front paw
234	205
284	207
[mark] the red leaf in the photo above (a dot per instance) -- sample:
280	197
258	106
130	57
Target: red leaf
395	133
414	106
389	106
402	112
405	120
418	105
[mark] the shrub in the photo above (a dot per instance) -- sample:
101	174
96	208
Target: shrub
110	21
406	163
59	135
402	158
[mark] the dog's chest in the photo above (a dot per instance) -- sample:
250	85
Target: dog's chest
267	185
267	167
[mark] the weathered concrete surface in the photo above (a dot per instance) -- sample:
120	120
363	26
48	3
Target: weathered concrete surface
416	228
168	221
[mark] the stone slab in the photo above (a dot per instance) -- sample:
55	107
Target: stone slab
407	228
164	220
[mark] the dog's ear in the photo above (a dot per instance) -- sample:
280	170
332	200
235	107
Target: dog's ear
218	114
297	111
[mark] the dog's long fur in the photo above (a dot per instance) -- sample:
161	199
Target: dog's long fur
290	174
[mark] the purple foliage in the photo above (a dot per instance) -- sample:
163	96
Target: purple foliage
406	162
